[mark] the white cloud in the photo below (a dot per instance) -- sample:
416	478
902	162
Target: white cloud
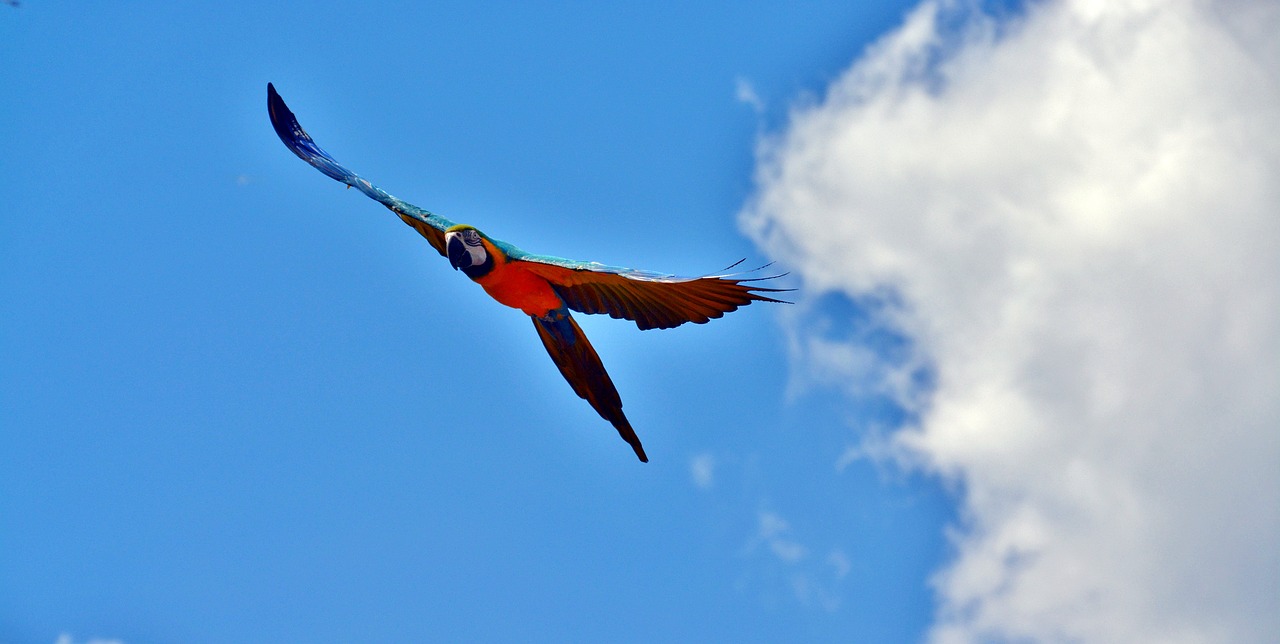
1074	218
65	638
773	531
745	92
839	563
811	582
702	468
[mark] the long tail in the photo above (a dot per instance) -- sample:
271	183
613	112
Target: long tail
579	364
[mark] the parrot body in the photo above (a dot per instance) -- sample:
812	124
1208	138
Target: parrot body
519	288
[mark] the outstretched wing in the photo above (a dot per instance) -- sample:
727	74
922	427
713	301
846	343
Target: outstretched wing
651	300
295	138
579	364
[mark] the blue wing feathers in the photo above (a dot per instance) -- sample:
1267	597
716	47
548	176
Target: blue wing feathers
300	143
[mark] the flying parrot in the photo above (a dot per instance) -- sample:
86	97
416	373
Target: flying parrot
547	288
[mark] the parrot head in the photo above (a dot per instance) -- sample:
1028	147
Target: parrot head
467	252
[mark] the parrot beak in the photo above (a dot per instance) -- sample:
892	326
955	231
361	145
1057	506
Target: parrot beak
467	253
458	255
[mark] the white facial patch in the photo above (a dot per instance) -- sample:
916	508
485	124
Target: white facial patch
474	251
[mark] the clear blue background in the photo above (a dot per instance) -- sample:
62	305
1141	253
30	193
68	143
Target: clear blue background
239	403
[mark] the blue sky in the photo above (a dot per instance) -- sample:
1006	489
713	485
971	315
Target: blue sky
240	403
1026	391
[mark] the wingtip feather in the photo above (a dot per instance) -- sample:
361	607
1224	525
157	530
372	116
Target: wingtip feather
286	125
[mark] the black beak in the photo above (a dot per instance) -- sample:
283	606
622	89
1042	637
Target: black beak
458	255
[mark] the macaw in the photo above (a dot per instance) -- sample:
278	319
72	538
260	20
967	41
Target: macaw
546	288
